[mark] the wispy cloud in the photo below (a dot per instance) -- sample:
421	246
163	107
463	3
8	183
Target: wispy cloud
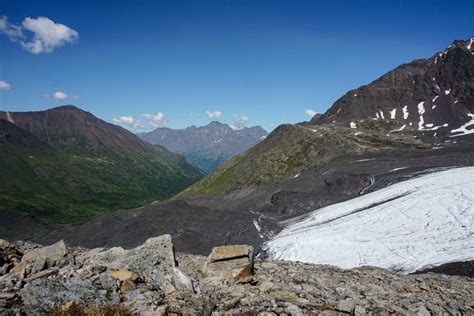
40	35
239	121
13	32
310	112
148	121
128	121
155	121
214	114
5	86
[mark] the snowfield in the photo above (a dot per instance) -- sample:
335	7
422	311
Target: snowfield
410	225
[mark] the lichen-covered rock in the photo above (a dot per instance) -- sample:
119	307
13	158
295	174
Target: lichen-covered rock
153	261
35	260
42	295
182	281
126	280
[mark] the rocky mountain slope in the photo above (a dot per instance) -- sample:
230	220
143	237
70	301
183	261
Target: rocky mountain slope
434	95
66	165
152	280
294	149
206	146
426	101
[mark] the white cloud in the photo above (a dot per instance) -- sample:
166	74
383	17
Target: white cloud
155	120
5	86
214	114
13	32
58	95
128	121
44	35
310	112
239	121
151	121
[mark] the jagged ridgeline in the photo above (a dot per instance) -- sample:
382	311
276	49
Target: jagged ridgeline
429	99
206	146
64	164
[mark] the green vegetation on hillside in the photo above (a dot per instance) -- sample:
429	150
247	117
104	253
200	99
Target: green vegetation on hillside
206	159
293	149
72	187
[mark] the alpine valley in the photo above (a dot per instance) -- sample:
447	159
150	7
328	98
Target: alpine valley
64	165
381	185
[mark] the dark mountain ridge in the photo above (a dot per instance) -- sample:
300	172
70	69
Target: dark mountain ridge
68	127
434	95
12	135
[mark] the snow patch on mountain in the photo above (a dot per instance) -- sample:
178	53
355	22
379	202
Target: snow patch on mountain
405	112
410	225
465	129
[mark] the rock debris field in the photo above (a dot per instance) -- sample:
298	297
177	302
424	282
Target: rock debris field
152	280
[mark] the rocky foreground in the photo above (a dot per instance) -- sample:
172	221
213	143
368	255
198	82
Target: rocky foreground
151	279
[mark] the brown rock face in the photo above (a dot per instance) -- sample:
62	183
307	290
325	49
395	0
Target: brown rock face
230	252
230	263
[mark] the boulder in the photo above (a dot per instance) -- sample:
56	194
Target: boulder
230	252
38	259
153	261
123	275
40	296
230	263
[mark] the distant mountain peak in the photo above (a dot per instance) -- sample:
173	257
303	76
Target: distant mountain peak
216	123
68	107
206	146
467	44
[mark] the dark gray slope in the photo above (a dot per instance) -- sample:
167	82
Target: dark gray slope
439	90
202	222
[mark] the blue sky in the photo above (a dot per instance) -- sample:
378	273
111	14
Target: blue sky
240	61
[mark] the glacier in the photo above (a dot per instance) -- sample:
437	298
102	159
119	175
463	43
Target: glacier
411	225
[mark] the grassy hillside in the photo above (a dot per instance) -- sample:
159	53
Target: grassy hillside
75	187
66	165
293	149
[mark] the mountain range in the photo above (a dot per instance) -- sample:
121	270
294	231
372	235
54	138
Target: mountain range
365	150
208	146
413	106
67	165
